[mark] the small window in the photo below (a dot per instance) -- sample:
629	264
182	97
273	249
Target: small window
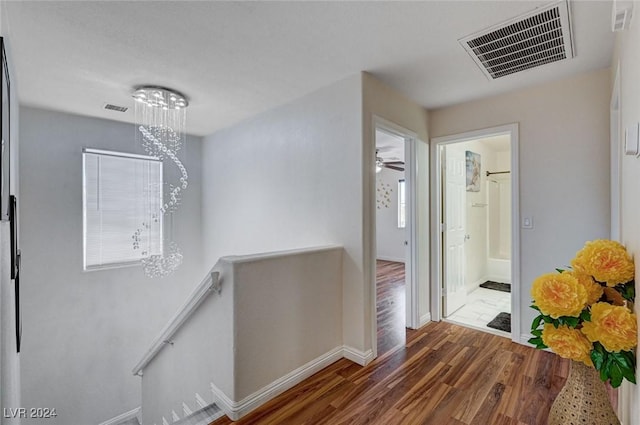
402	204
122	195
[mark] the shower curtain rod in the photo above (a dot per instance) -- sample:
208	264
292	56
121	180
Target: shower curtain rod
497	172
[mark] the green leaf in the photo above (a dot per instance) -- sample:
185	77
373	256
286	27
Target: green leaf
598	359
599	348
547	319
537	341
628	290
535	307
621	360
631	357
537	332
616	375
585	316
559	270
571	321
536	322
604	374
629	375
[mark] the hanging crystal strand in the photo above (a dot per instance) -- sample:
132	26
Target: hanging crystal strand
161	131
171	258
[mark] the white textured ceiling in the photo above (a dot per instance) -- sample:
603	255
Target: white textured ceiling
236	59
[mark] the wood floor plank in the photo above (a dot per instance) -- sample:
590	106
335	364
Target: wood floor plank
456	383
480	389
486	413
390	293
442	374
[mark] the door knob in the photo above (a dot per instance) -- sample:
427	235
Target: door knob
467	237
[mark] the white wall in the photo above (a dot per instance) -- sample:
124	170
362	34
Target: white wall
291	178
564	165
83	332
380	100
628	60
9	358
499	199
389	238
313	282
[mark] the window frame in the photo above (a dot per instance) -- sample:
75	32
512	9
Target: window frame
118	154
402	204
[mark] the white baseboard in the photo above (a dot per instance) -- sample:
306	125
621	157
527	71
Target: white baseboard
235	410
475	285
524	339
394	259
362	358
424	319
123	417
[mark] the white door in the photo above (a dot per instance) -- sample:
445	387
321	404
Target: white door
454	194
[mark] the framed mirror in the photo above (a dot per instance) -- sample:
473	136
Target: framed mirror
5	131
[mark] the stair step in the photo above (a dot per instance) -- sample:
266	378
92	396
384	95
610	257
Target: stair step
202	417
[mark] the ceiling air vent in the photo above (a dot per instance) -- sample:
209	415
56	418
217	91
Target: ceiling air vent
536	38
115	107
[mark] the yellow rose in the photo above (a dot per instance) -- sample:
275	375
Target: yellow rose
594	290
607	261
559	294
567	342
615	327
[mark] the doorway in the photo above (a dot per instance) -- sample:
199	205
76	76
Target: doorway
393	237
477	246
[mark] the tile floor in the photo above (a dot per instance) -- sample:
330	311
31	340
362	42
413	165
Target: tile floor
482	306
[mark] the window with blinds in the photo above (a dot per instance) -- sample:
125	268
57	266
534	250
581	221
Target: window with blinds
122	195
402	205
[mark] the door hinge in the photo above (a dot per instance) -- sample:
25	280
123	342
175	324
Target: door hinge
443	227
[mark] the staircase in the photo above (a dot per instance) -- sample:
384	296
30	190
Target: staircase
204	416
231	341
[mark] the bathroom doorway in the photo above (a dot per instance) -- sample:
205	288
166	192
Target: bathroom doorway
478	238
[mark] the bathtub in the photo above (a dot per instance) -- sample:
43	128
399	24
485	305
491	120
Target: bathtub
499	269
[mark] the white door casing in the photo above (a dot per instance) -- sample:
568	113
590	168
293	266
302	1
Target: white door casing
412	319
437	216
410	265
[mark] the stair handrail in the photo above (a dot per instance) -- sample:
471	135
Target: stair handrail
211	283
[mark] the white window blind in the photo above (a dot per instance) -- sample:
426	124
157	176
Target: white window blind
402	205
122	195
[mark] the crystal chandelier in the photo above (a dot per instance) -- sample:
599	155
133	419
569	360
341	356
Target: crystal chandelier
160	115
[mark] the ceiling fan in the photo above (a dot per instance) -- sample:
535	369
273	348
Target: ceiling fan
393	165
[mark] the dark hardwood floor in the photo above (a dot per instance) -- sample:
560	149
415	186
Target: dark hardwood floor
445	374
441	374
390	305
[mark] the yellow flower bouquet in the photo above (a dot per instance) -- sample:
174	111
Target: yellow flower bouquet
585	313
